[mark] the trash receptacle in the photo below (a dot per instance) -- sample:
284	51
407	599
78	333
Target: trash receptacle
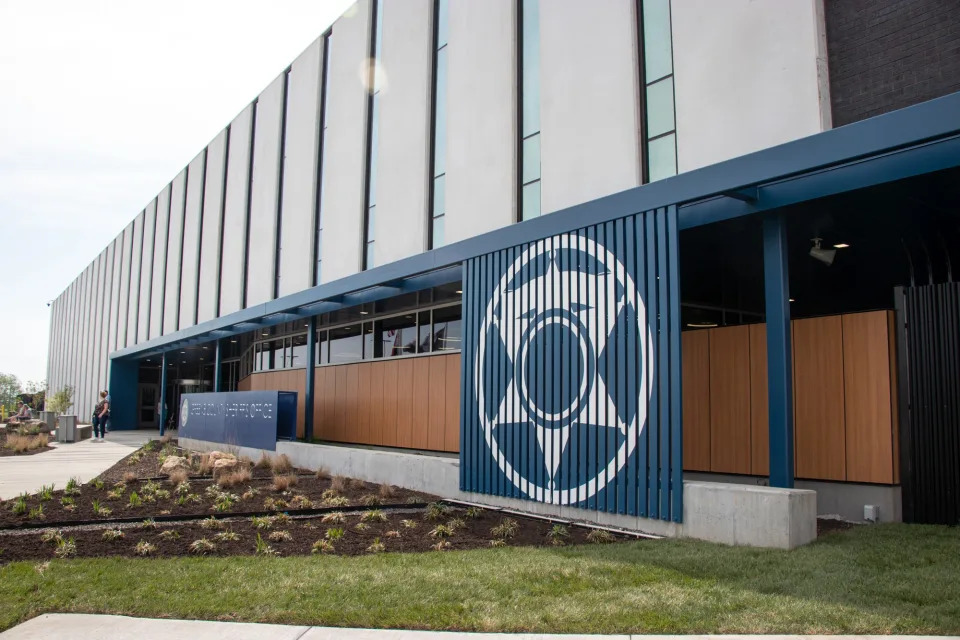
67	429
49	418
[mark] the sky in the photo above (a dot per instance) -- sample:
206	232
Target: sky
102	103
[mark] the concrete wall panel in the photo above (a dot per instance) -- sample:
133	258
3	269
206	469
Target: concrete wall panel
83	341
208	293
345	142
301	153
125	269
237	196
133	304
190	259
481	124
588	101
158	286
105	309
113	331
146	272
264	194
171	297
731	101
403	153
99	343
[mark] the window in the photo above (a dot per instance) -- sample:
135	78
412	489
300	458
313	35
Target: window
323	355
298	352
346	344
398	336
374	79
438	196
446	328
528	23
660	135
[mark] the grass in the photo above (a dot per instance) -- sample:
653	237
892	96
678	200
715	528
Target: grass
878	580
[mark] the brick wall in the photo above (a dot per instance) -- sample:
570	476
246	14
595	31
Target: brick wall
889	54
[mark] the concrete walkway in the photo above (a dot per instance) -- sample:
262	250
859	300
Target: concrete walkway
70	626
84	460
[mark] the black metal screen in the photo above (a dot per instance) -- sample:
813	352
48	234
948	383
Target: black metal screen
928	326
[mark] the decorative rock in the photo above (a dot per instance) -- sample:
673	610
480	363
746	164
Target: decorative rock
172	463
214	456
224	464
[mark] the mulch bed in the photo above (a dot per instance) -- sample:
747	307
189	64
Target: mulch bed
4	452
474	533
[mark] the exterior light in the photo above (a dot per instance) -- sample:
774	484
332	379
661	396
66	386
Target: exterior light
183	352
792	300
233	341
363	313
459	291
701	325
841	245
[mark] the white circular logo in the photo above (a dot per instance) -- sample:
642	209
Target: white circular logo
561	328
184	412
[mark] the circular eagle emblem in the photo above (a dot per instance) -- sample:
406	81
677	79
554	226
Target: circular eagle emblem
184	412
562	367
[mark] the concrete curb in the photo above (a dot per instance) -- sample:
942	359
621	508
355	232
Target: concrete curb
81	626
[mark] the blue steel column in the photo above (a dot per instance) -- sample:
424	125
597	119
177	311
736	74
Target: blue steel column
217	362
163	393
311	370
776	274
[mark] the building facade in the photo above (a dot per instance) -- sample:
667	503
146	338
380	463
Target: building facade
363	229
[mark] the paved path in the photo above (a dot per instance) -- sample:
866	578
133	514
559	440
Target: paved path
83	460
71	626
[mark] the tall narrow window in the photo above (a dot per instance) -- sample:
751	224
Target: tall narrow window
374	108
528	23
438	200
322	165
660	130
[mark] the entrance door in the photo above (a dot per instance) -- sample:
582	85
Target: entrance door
928	338
147	405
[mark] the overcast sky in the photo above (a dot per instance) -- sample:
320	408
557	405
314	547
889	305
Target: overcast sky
101	104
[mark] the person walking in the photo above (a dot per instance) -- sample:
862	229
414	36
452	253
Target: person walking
101	414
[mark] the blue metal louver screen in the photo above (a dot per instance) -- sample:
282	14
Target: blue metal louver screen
571	369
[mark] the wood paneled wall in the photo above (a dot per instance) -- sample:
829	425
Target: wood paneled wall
844	389
412	403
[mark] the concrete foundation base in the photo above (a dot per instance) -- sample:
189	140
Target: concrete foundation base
726	513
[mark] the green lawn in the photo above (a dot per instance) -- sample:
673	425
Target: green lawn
881	579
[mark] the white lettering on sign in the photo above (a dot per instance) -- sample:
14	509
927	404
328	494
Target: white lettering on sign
256	410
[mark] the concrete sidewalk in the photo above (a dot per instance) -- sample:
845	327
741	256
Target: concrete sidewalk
71	626
83	460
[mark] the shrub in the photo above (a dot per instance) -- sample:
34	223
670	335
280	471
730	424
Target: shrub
338	501
281	464
165	438
161	494
135	500
322	546
334	533
235	477
149	523
51	535
97	484
358	484
473	512
506	529
361	526
249	493
443	545
261	522
36	513
112	534
371	500
392	534
435	511
149	446
211	524
280	536
322	474
65	548
456	523
414	499
376	547
374	515
170	534
329	493
67	501
284	482
498	542
409	524
205	465
178	477
100	510
144	548
19	505
129	477
261	548
338	484
202	546
46	493
558	535
115	494
387	491
441	531
599	536
334	518
301	502
281	519
72	488
263	462
227	536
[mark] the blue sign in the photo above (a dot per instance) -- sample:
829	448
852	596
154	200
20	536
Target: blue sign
568	366
254	419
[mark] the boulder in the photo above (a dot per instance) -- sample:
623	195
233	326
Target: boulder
224	464
214	456
172	463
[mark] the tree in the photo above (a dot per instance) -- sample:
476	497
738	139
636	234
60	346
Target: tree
9	389
61	400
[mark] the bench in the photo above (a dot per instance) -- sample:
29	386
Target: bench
83	432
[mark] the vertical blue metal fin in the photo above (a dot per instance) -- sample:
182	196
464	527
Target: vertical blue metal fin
631	358
623	365
676	372
663	357
609	435
642	448
465	360
653	419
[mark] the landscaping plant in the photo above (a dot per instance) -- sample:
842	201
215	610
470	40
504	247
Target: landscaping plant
376	547
322	546
112	534
280	536
202	546
144	548
65	548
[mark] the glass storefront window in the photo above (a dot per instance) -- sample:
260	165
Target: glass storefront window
423	339
398	336
346	344
298	351
446	328
369	342
323	357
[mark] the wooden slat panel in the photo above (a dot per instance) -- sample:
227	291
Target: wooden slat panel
340	404
400	378
730	400
319	400
866	384
436	402
818	398
375	401
420	431
363	406
451	438
759	410
894	393
352	419
300	380
696	400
